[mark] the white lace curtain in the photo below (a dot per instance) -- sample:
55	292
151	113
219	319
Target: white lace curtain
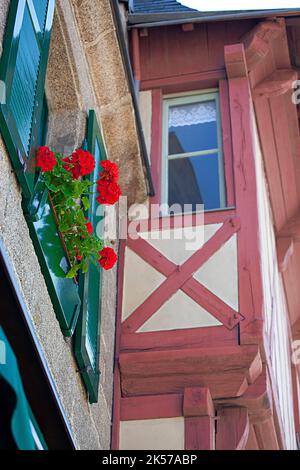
191	114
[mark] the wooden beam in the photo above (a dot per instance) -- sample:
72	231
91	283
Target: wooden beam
278	83
213	304
291	229
252	441
235	61
221	384
199	413
198	402
151	407
189	361
283	121
249	266
225	371
266	435
232	428
285	250
253	333
257	399
188	338
183	82
199	433
296	398
135	41
296	329
264	117
256	49
258	41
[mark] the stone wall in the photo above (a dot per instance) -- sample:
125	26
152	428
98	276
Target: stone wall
99	38
85	72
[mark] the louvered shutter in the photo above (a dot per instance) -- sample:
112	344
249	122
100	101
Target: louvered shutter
23	69
87	335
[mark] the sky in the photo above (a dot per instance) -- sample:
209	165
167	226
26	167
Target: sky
223	5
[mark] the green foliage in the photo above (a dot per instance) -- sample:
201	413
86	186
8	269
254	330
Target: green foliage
70	199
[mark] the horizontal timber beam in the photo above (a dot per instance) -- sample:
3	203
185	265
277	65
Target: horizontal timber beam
227	372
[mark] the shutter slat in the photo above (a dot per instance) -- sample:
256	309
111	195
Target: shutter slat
23	88
23	70
40	7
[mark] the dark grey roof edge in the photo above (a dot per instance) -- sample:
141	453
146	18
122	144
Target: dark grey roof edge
164	19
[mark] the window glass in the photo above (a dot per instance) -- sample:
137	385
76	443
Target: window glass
193	170
195	180
193	127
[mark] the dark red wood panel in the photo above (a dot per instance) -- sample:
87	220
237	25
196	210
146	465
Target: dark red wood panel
166	52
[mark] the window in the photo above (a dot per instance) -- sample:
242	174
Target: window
193	169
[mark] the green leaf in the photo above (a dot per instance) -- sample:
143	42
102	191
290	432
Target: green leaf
85	267
52	187
86	203
72	273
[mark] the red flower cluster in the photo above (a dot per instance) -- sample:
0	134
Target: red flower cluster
80	163
107	186
89	227
45	159
109	192
108	258
110	172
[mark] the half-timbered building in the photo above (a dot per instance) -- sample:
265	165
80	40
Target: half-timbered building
206	338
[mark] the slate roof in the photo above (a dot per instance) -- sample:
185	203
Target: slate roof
150	12
158	6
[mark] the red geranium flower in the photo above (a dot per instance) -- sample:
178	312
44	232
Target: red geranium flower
89	227
110	172
78	255
80	163
45	159
109	192
108	258
86	162
72	166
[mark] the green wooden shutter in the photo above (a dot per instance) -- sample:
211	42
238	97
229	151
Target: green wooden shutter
87	335
23	70
64	292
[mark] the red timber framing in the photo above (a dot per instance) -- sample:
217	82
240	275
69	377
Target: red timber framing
181	277
217	377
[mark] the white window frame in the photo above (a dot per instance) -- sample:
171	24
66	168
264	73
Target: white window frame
189	98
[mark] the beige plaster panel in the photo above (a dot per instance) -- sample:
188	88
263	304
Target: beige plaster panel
152	434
